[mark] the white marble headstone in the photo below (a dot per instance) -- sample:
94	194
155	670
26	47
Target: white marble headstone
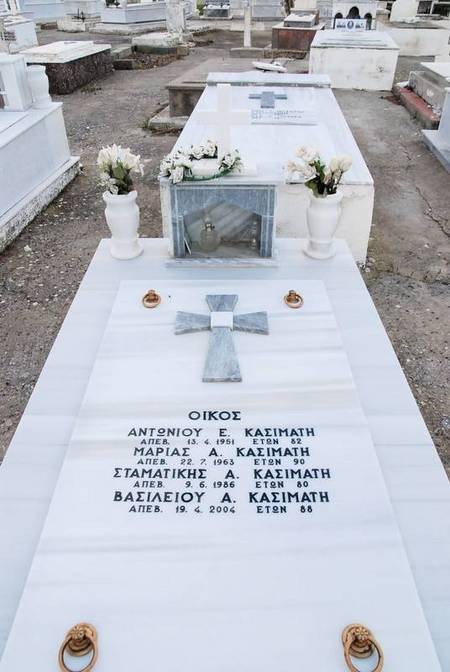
220	527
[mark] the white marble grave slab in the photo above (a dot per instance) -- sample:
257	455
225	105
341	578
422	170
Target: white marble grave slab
8	119
63	52
359	60
270	146
440	71
275	144
259	78
221	590
370	39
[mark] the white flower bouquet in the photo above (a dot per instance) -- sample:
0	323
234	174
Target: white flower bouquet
116	164
321	178
178	166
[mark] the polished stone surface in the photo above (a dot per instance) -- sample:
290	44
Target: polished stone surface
187	323
268	98
229	574
412	472
63	51
221	362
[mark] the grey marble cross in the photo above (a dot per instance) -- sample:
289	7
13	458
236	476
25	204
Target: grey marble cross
268	98
221	364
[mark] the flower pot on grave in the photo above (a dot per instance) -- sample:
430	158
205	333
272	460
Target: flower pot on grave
205	167
322	219
122	217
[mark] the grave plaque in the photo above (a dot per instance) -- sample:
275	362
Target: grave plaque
220	527
350	24
296	117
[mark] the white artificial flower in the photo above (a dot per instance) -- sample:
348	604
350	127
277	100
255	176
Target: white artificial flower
327	175
299	170
346	163
227	160
293	169
164	168
307	171
230	159
104	177
339	164
182	161
108	157
177	174
308	154
113	153
103	157
109	184
210	149
197	151
335	164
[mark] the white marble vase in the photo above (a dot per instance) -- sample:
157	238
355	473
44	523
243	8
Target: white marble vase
323	219
39	86
122	217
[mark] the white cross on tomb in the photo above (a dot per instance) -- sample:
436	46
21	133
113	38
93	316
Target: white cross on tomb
223	118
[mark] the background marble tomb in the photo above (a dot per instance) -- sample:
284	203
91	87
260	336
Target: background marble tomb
271	146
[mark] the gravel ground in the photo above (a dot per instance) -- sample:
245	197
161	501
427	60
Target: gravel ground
407	273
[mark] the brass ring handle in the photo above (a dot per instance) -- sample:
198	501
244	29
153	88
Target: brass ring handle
79	641
151	299
293	299
359	642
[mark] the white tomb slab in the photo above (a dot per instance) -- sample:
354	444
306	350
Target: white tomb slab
259	78
24	32
415	480
424	38
439	141
141	12
182	554
35	160
439	71
45	10
271	145
362	60
64	51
